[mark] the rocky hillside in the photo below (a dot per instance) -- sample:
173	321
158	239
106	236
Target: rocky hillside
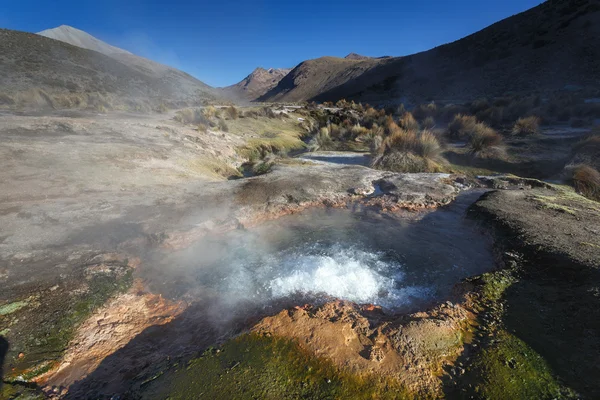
312	78
39	71
259	82
546	48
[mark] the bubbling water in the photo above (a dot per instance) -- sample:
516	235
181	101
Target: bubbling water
344	273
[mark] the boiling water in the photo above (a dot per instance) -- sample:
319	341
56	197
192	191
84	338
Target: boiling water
362	256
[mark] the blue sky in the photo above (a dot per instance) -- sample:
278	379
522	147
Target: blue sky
222	41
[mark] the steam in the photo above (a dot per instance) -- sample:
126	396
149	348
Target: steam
320	255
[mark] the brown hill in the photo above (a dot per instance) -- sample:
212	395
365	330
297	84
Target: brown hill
313	77
39	71
546	48
259	82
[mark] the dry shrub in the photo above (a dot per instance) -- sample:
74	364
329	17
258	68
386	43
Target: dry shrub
408	122
209	112
485	141
589	145
191	116
223	126
405	162
232	112
461	126
408	151
250	114
203	128
357	131
162	108
586	181
527	126
322	140
267	112
429	123
337	131
587	152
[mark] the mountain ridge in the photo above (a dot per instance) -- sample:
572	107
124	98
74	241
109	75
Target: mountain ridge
545	48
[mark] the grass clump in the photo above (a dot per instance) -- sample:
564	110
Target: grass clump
586	181
428	123
587	152
232	112
223	126
191	116
322	141
461	126
408	151
527	126
483	140
202	128
408	122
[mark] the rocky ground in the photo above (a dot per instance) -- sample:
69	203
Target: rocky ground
88	199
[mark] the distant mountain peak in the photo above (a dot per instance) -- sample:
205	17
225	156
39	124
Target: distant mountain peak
79	38
354	56
259	82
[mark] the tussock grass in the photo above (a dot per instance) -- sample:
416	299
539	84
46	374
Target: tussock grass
527	126
408	151
232	112
587	151
485	142
589	146
586	181
428	123
322	140
223	126
210	167
269	135
192	116
461	126
408	122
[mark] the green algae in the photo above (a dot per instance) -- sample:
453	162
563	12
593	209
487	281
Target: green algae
509	369
12	307
42	336
255	366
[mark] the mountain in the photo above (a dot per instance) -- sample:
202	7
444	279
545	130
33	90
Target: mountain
313	77
259	82
182	83
354	56
79	38
42	72
546	48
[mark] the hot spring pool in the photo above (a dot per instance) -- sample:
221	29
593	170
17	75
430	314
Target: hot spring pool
362	256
